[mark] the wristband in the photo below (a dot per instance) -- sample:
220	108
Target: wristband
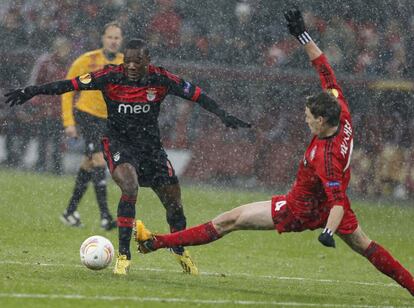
304	38
327	230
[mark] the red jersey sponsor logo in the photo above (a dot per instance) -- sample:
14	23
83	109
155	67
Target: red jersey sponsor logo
135	108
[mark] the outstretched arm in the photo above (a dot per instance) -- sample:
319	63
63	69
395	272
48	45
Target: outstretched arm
20	96
89	81
313	50
297	28
189	91
210	105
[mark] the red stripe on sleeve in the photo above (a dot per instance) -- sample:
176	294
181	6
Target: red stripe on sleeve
196	95
75	84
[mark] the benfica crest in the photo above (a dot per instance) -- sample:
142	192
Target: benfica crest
151	94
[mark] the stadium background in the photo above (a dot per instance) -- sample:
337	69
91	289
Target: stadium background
240	53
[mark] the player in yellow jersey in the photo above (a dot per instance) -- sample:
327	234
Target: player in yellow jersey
85	114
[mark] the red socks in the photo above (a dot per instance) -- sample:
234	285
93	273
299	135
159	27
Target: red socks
198	235
385	263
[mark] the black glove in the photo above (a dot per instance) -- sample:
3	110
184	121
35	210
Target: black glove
233	122
326	238
19	96
296	26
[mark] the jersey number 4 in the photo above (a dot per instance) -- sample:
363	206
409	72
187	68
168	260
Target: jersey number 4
279	205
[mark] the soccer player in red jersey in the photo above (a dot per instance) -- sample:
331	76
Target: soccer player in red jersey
318	197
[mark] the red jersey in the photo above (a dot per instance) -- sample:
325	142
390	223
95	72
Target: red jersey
324	172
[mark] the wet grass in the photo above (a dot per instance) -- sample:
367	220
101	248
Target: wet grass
39	264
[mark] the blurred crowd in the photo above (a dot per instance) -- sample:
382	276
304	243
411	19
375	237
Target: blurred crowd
361	37
231	38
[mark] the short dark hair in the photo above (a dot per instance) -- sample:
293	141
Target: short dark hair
111	24
325	105
138	44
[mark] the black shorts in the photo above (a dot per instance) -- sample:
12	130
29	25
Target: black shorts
153	166
91	129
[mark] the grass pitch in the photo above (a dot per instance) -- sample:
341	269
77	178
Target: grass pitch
40	267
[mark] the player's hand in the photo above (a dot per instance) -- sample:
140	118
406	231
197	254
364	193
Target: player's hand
70	131
18	96
326	238
296	26
234	122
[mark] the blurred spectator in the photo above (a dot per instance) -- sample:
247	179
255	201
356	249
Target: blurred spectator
367	61
243	49
395	53
13	30
341	47
46	110
134	18
165	27
17	130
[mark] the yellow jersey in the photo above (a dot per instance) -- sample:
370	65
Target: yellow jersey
91	102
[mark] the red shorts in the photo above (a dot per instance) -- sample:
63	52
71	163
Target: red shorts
285	221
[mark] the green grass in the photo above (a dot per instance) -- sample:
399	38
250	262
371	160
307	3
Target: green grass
40	267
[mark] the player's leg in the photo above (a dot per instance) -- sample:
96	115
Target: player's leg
125	176
100	185
170	196
252	216
93	138
123	170
70	216
379	257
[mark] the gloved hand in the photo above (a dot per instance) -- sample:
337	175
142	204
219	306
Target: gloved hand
233	122
296	26
326	238
19	96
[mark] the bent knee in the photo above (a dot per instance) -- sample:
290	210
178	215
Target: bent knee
127	182
227	222
358	241
129	187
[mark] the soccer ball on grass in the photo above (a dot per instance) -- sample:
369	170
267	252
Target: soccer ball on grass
96	252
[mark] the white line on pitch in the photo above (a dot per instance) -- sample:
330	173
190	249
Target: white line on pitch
225	274
179	300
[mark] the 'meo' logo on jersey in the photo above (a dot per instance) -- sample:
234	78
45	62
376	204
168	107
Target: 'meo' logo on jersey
133	109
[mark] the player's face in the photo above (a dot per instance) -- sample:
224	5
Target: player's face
112	39
136	63
315	124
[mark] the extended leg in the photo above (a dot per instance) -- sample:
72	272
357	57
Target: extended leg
380	258
253	216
